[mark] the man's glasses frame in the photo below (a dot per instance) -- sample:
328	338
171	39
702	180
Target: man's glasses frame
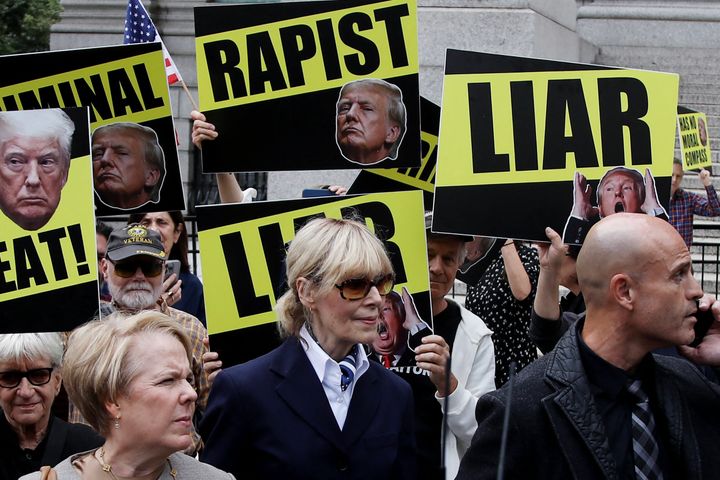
36	376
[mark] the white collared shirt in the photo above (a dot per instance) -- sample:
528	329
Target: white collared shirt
328	372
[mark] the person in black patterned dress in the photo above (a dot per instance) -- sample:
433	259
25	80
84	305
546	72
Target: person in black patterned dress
503	299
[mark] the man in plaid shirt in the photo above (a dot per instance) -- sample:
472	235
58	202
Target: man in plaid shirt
684	205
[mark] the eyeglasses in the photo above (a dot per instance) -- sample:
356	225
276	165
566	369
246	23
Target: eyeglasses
128	269
358	288
37	377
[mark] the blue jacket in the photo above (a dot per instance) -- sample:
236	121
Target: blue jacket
270	418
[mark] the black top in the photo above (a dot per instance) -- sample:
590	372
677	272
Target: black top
608	385
446	323
62	440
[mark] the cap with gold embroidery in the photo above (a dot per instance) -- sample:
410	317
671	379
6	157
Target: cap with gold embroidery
133	240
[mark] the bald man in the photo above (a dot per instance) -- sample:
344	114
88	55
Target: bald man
572	410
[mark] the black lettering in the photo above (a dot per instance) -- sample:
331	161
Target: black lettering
693	122
482	136
52	239
298	42
47	98
613	120
122	93
263	64
328	48
5	266
524	129
384	225
371	56
241	280
393	26
94	97
76	239
428	170
27	263
67	94
274	250
567	96
10	103
223	58
146	89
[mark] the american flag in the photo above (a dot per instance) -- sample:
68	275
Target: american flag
139	28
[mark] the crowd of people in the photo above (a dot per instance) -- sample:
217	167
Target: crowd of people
362	386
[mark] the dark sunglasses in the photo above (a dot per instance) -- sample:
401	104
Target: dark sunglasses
150	268
37	377
358	288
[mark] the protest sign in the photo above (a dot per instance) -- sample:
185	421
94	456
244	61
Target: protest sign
694	139
123	85
48	269
309	85
243	260
525	142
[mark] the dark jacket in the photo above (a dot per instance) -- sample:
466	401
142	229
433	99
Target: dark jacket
270	418
556	431
61	440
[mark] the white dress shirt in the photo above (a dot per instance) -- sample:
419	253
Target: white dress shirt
328	372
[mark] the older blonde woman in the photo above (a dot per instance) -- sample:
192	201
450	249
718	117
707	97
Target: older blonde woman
30	435
131	379
315	407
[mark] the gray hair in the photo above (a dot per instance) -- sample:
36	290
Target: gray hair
15	347
51	123
154	155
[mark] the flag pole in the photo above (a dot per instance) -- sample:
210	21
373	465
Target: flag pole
192	100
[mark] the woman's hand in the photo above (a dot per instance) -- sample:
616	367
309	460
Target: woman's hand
172	286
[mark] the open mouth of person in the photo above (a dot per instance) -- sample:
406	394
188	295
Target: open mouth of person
383	330
619	207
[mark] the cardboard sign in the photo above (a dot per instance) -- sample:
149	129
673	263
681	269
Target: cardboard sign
48	266
694	139
243	251
124	85
309	85
519	137
401	179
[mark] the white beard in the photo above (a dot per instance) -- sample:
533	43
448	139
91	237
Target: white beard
136	296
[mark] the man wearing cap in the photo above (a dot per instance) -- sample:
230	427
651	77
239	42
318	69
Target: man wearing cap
460	338
133	268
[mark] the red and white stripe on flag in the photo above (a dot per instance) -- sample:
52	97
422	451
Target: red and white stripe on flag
173	74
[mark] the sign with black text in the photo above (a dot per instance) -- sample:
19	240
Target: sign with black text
135	159
48	266
309	85
528	143
244	250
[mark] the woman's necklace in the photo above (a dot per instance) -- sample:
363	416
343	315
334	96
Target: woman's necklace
107	468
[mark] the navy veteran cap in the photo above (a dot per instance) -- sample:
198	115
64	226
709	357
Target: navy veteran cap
133	240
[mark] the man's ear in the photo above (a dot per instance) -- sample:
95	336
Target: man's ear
104	268
305	291
393	134
152	176
622	290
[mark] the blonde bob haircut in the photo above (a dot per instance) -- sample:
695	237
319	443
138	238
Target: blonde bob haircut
327	251
99	365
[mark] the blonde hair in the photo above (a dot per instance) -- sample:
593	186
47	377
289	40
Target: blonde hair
327	251
99	366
